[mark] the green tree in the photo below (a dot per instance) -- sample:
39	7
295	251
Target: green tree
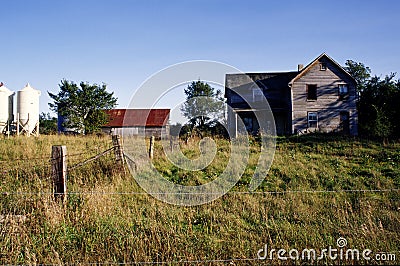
203	107
175	130
83	106
359	72
379	107
48	124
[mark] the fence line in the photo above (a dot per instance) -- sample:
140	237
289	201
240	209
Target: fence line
134	193
210	193
46	163
49	159
43	167
25	159
91	159
24	166
202	262
117	148
58	164
181	262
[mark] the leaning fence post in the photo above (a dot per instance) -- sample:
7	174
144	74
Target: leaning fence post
59	171
118	150
151	149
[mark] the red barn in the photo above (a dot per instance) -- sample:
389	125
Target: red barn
137	122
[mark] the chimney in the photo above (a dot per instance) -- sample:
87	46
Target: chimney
300	67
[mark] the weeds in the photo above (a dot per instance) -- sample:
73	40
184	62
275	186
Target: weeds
99	224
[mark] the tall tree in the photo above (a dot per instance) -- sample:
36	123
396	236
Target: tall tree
204	105
359	72
83	106
48	124
379	107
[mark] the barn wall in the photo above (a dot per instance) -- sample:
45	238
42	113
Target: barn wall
138	131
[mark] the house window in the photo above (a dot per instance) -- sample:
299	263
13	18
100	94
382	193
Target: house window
248	122
236	98
343	90
257	95
312	92
312	120
322	66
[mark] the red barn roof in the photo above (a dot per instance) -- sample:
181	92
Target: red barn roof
137	117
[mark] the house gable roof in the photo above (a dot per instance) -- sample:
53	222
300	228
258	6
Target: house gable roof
264	80
316	61
137	117
273	84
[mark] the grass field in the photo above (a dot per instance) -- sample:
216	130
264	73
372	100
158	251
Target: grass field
308	203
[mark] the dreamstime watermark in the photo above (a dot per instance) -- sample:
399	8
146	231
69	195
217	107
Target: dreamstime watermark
168	79
340	252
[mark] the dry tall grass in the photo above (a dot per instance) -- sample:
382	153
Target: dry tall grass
103	221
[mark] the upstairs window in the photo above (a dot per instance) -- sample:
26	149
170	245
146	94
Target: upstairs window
312	119
311	92
236	98
343	91
257	95
322	66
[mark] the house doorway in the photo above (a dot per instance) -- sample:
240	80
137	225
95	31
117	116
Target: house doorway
344	123
250	122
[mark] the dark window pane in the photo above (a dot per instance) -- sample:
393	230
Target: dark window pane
312	92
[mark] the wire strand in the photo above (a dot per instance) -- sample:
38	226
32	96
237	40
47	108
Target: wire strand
210	193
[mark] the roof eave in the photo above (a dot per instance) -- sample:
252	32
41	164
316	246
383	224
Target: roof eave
308	67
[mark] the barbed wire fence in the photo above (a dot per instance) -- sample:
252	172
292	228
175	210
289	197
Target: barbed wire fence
53	169
49	169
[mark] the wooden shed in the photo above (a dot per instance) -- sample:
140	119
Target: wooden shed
137	122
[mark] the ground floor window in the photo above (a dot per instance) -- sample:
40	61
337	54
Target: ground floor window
248	122
312	119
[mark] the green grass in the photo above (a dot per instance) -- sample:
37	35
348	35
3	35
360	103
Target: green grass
99	224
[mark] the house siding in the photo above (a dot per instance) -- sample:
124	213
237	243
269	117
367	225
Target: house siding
276	91
286	93
328	104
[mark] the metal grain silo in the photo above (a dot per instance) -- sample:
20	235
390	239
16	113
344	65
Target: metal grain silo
28	110
6	107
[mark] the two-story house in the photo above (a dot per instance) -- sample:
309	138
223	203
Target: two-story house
318	97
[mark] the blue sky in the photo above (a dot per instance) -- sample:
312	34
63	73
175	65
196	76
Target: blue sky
123	42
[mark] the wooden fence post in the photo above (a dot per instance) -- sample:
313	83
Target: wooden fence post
59	171
151	149
17	124
118	150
